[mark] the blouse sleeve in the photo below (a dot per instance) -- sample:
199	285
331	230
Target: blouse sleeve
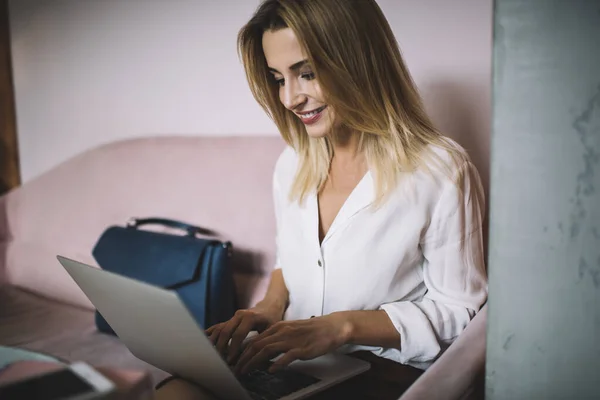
453	272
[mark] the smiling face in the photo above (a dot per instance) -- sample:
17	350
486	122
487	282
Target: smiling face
299	91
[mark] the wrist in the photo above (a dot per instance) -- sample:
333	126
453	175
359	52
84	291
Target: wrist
273	307
346	327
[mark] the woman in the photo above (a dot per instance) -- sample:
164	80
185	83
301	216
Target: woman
379	217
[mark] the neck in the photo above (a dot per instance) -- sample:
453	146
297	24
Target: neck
346	151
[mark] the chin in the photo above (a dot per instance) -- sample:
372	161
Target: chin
322	128
317	132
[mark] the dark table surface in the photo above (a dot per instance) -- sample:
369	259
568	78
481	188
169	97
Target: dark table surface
385	380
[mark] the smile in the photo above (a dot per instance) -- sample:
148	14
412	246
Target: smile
312	116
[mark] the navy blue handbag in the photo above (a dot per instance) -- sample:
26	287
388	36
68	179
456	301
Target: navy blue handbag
198	269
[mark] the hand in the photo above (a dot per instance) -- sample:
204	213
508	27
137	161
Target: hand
259	318
296	340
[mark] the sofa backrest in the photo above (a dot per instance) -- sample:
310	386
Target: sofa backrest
222	183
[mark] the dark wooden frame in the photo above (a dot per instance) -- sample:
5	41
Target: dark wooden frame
10	175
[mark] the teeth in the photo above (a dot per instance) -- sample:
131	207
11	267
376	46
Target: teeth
311	114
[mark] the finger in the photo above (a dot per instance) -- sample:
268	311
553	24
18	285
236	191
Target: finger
267	333
253	361
250	351
256	346
214	335
287	359
238	337
208	331
225	334
217	327
258	342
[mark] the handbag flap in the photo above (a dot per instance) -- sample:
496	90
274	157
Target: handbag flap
156	258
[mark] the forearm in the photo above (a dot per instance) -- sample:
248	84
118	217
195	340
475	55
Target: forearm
277	295
368	328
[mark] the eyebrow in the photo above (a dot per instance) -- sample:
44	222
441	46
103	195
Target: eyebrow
293	67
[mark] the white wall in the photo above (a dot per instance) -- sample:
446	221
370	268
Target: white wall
89	72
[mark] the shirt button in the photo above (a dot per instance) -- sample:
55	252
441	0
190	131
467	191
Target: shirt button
319	262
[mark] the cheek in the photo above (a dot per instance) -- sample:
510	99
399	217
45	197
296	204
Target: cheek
311	89
331	117
317	94
331	113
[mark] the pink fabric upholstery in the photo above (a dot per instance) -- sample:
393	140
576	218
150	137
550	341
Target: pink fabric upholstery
219	183
455	373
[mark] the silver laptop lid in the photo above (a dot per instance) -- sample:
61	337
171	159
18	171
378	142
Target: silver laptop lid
156	327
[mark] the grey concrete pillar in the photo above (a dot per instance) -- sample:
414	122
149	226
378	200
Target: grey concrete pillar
544	254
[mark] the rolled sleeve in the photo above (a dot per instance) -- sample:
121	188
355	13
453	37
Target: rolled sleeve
453	272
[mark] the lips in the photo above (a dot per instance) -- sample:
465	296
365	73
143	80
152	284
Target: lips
313	116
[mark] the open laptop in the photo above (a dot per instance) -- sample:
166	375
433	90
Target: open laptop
157	328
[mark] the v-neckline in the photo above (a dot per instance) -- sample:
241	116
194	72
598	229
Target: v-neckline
358	198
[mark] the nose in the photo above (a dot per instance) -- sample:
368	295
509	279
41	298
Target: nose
292	95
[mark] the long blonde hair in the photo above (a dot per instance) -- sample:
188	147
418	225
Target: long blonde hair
358	65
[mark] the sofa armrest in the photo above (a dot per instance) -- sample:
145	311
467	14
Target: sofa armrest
456	372
4	238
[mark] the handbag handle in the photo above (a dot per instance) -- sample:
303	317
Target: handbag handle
171	223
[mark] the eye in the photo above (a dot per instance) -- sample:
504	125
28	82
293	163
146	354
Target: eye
278	81
309	76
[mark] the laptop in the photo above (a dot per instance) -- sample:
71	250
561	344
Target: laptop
157	328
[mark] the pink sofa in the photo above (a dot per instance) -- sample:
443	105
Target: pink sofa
219	183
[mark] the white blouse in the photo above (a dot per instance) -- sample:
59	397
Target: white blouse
419	257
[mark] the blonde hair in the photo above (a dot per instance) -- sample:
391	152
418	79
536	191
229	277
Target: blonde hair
357	62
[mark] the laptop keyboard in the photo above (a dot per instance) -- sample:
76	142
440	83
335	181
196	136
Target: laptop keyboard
263	385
